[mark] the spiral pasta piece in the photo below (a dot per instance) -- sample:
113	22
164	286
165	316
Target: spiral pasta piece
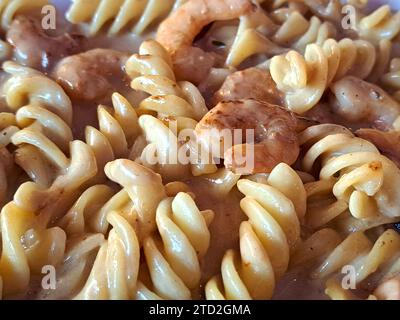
376	262
87	222
177	106
74	269
10	8
8	126
115	270
297	32
304	79
123	13
358	173
175	269
391	78
330	10
27	86
44	116
266	239
117	133
380	24
26	248
173	272
252	37
143	189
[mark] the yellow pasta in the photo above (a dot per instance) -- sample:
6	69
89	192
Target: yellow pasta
304	79
178	107
8	127
380	24
122	13
26	248
73	270
330	10
266	239
142	191
117	133
115	270
252	38
173	271
10	8
358	173
379	260
88	220
297	32
391	79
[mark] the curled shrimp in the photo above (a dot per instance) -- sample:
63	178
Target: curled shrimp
179	30
35	49
90	75
274	129
358	101
252	83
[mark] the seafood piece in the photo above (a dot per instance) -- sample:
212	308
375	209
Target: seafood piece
273	130
250	83
35	49
359	101
179	30
90	75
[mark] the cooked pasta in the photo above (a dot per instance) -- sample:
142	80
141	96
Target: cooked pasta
266	239
122	13
330	10
297	32
377	262
143	190
252	38
391	78
26	248
183	232
44	114
380	24
117	133
358	173
73	270
10	8
178	107
304	79
115	270
250	151
175	270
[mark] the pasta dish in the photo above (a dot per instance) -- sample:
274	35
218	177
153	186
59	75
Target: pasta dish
199	149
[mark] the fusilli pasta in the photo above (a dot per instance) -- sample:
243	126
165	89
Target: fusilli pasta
122	13
304	79
358	173
266	239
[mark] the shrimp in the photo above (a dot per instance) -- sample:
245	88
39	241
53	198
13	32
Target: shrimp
358	101
275	135
90	75
179	30
35	49
387	142
252	83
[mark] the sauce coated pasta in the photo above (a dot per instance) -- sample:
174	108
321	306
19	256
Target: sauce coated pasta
199	149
